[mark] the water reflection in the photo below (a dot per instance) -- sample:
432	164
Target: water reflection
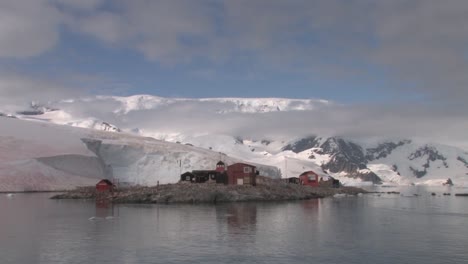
241	217
312	205
237	222
106	209
368	229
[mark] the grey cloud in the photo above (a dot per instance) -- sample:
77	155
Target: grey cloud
432	123
17	91
82	5
426	42
28	28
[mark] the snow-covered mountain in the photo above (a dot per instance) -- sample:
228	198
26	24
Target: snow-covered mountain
400	162
258	130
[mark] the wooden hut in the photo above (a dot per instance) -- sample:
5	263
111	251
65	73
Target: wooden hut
104	186
241	174
187	177
309	178
202	176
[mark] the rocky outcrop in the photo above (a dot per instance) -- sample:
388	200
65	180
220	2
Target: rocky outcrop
462	160
383	150
303	144
430	154
209	193
109	127
346	157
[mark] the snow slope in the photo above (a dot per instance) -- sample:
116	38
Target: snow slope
38	156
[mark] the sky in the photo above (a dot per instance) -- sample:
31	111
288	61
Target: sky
341	50
398	57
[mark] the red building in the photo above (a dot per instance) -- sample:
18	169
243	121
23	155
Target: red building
241	174
309	178
220	166
104	186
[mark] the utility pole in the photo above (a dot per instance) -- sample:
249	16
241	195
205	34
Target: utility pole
286	166
180	167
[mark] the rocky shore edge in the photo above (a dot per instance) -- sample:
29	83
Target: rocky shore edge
208	193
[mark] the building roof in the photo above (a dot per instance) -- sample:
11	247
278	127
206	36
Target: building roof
240	163
203	172
308	172
220	163
105	181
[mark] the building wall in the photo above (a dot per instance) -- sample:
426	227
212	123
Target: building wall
305	179
103	186
241	171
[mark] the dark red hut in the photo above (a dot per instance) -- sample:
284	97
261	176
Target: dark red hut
309	178
104	186
241	174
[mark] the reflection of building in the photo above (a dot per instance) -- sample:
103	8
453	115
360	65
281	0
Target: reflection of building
104	208
242	215
235	174
312	204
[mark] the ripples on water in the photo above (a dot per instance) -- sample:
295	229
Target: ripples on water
368	229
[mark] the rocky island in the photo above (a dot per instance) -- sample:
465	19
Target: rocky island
208	193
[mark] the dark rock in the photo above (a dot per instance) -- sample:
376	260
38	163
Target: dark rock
303	144
347	157
449	182
430	154
462	160
383	150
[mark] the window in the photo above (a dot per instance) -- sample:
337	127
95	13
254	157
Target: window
247	169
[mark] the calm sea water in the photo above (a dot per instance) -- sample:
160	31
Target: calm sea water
366	229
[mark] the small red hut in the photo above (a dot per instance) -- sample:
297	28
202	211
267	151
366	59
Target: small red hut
309	178
241	174
104	186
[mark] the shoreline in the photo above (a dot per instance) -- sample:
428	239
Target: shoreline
62	191
208	193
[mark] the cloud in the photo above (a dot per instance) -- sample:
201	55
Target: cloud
18	91
27	28
418	45
192	118
163	31
82	5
